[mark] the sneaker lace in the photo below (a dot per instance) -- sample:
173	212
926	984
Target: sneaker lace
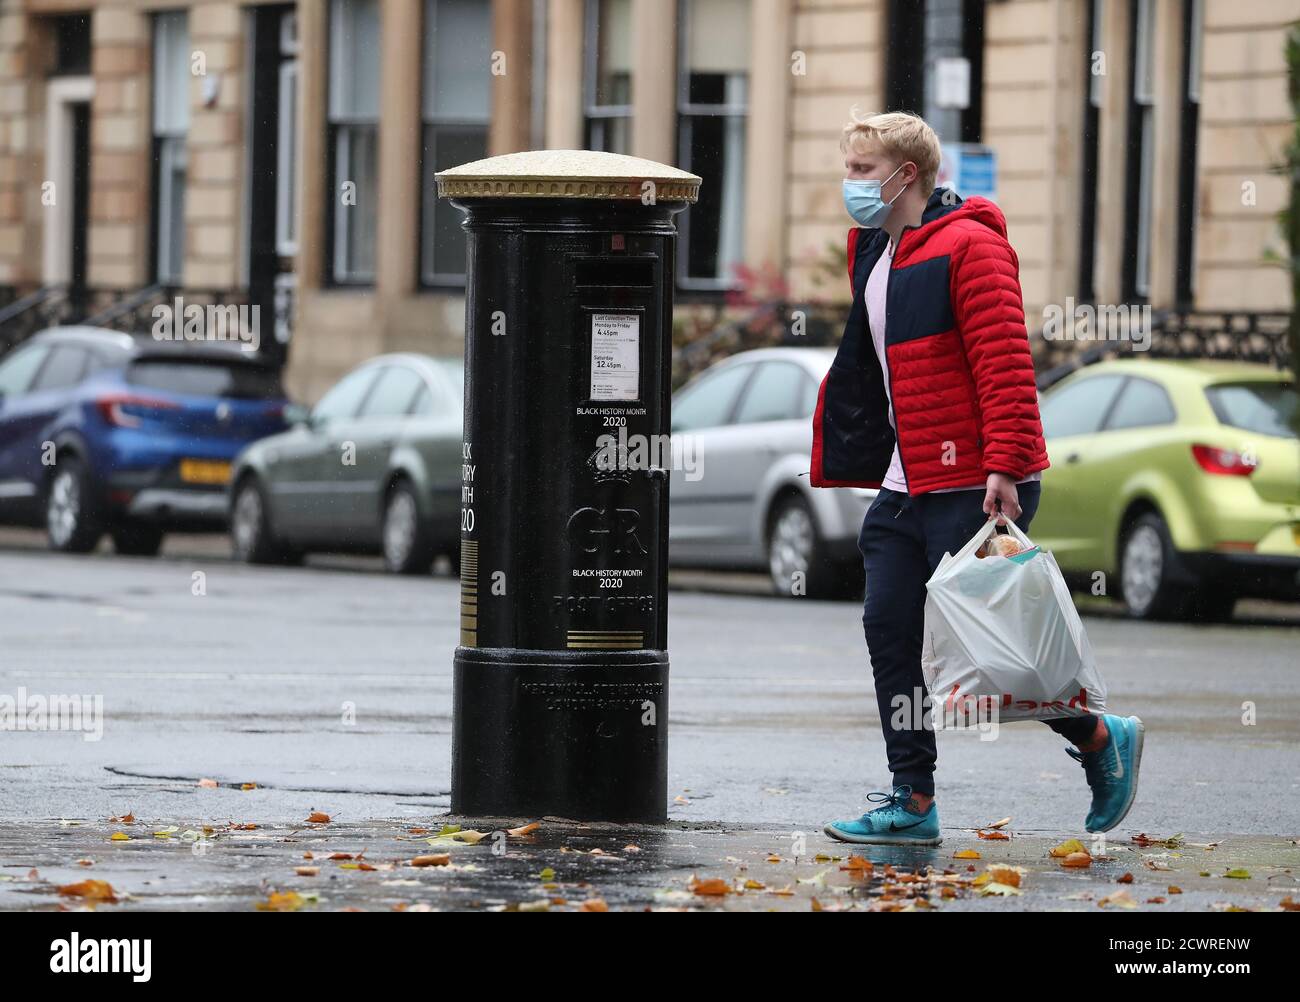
897	798
1092	766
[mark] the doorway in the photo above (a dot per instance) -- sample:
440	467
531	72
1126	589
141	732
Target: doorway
66	193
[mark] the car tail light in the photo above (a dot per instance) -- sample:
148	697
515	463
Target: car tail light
111	408
1223	461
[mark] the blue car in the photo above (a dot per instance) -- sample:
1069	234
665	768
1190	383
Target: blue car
104	432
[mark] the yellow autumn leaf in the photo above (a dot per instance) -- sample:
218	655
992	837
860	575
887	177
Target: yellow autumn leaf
282	901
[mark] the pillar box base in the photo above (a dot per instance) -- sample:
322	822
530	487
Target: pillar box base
573	734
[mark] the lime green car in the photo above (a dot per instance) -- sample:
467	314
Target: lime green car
1174	483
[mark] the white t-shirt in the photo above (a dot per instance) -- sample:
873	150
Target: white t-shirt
877	287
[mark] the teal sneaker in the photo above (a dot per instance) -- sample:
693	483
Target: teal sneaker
1112	772
890	824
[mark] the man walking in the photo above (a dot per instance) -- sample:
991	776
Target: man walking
931	398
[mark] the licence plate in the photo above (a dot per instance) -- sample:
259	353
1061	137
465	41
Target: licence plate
204	471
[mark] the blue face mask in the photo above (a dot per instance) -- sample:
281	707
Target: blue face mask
863	201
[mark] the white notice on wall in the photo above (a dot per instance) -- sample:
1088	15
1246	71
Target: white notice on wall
615	356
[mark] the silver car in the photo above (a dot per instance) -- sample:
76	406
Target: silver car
374	467
740	492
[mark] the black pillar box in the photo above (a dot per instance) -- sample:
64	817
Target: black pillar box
560	700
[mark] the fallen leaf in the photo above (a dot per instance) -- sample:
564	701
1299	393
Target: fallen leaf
1174	889
1172	842
996	836
525	830
713	887
282	901
1127	878
1067	847
1239	873
593	905
438	860
126	819
91	890
859	866
249	786
1120	899
318	818
120	837
208	784
85	862
999	824
1077	859
1002	873
1288	905
965	854
307	871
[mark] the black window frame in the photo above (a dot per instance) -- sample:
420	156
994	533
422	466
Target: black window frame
1090	141
1135	128
1189	123
594	113
906	62
431	126
695	286
333	130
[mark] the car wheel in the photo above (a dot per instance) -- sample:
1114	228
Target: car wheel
137	540
252	537
1145	566
407	547
71	523
796	552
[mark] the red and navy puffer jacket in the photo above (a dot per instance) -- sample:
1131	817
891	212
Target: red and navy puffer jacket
961	375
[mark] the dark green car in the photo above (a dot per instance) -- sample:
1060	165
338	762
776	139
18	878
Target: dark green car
374	467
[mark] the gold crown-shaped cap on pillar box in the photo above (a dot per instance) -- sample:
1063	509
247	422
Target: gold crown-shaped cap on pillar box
568	174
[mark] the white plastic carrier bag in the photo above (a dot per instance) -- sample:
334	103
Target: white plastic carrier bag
1003	640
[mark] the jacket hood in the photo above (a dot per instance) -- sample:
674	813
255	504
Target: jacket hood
947	207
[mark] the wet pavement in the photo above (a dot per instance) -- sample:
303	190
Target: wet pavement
557	865
328	688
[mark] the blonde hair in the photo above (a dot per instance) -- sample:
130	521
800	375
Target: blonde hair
901	135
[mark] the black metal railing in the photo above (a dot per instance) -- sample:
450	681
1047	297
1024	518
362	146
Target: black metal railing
1235	336
129	310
